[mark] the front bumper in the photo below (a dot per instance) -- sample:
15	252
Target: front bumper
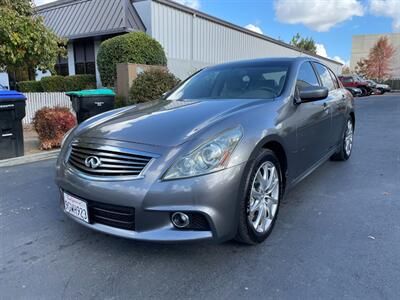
215	196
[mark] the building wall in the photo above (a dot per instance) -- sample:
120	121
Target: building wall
4	79
192	41
361	45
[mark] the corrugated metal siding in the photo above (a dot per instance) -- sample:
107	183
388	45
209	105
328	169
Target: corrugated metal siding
173	30
36	101
192	42
91	17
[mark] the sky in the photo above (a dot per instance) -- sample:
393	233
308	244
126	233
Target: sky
331	23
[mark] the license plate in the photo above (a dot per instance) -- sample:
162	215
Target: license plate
76	207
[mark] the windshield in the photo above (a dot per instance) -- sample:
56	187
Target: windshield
251	81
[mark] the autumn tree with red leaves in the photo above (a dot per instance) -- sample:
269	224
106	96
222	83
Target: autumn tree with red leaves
377	65
379	59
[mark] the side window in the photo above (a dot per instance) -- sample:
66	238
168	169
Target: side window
306	76
334	79
347	79
325	77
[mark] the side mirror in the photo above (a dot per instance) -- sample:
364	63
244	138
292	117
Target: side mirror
313	93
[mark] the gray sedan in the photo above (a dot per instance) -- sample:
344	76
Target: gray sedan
213	159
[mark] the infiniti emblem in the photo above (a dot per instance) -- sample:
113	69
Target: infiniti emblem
92	162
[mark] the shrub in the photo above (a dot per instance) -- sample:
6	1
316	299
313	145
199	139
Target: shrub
51	124
79	82
135	47
120	101
151	84
31	86
53	83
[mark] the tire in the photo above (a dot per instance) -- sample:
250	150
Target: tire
268	206
364	92
382	91
344	153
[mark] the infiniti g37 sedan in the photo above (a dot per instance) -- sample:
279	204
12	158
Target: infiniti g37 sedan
213	158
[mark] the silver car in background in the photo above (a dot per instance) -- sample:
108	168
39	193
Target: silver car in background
213	159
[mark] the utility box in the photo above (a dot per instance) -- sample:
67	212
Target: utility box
12	111
88	103
127	73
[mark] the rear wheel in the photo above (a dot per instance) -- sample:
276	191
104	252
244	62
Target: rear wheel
364	91
259	209
347	143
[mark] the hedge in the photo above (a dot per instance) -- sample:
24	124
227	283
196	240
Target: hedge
135	47
53	83
151	84
30	86
80	82
58	84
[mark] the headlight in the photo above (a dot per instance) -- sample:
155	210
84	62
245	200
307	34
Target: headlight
66	136
211	156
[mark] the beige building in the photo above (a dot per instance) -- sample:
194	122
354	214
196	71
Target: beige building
361	44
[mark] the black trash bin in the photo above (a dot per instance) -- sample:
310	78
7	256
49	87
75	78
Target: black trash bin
12	111
88	103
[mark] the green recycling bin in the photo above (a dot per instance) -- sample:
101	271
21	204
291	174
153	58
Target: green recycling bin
88	103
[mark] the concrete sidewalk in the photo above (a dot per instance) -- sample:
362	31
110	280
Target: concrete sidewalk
30	158
31	140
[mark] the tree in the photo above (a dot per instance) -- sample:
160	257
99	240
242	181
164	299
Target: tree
379	59
346	70
362	67
307	44
25	41
377	65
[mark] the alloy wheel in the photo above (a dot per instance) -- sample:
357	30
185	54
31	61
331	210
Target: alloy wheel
264	197
348	138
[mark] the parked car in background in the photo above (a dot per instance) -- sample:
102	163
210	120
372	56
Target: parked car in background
356	92
213	158
354	81
382	88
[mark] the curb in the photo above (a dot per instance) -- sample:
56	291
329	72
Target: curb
29	158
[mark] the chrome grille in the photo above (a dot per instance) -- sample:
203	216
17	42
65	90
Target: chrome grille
113	161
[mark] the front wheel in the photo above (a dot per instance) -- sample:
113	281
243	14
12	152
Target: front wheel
259	209
346	144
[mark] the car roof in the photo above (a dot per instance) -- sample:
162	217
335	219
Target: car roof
268	60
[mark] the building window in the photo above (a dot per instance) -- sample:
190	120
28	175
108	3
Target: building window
84	58
61	66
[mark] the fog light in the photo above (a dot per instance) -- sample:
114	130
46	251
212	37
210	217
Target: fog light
180	220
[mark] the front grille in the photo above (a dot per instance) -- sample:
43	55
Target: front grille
112	215
112	161
198	222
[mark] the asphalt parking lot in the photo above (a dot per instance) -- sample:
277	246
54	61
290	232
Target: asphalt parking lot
337	236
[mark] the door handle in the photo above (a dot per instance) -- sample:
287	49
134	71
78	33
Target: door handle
325	107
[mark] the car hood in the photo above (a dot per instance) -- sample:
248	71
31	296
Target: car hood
164	122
